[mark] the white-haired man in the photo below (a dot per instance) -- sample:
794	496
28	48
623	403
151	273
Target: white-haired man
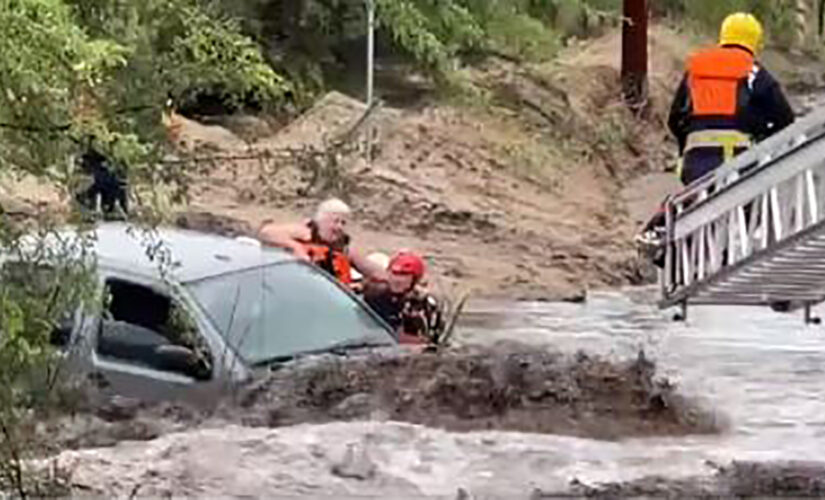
323	240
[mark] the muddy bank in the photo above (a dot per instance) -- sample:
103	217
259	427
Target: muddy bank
519	197
739	479
535	192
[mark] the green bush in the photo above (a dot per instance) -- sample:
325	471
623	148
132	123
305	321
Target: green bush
522	36
46	282
72	69
435	34
776	16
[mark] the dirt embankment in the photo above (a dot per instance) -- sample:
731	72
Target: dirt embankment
533	191
521	196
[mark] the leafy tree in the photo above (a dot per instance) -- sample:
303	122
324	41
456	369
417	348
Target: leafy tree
71	70
776	15
49	280
106	68
435	34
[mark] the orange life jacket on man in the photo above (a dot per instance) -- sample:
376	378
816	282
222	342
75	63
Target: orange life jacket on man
718	81
332	258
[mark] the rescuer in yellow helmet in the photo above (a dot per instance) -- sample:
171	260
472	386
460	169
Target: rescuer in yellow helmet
725	103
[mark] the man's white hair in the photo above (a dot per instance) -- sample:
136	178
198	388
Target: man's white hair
332	206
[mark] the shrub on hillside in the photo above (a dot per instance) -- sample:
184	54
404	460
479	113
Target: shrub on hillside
776	15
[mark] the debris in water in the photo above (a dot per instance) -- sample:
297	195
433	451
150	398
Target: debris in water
462	494
579	297
356	464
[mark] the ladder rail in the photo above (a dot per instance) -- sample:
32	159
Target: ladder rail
762	154
753	208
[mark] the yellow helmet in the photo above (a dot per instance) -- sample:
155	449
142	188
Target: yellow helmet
742	29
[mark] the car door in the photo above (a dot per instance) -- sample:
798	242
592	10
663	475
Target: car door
148	344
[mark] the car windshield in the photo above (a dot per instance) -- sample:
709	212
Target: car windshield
286	309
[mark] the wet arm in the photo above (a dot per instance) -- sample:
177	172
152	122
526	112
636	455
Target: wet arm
367	267
285	236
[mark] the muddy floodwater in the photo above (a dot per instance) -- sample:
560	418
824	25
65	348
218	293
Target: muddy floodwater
760	373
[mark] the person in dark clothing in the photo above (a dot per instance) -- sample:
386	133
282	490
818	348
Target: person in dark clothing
414	315
726	100
765	112
106	186
725	103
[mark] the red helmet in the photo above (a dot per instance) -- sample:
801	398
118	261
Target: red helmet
407	263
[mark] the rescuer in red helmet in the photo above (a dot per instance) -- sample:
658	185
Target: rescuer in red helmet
402	301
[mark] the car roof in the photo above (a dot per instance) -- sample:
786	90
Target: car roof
194	255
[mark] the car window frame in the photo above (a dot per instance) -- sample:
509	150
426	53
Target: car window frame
205	332
347	290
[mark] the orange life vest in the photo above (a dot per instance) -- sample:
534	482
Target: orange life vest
715	77
334	262
331	258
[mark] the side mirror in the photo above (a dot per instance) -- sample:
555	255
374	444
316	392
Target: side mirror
183	360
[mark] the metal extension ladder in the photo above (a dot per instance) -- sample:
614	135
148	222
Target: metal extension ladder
753	231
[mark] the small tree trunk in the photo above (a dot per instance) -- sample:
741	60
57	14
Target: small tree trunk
634	54
803	14
820	19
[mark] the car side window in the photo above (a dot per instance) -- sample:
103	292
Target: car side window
143	327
